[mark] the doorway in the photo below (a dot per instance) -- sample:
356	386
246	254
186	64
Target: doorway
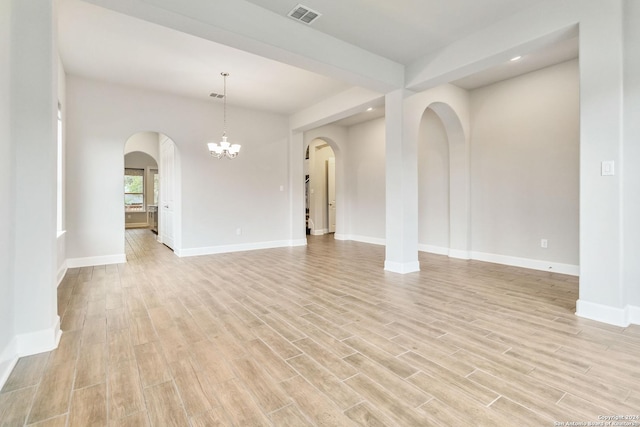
149	190
140	189
433	185
320	188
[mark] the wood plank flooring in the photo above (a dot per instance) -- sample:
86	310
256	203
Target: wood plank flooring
320	336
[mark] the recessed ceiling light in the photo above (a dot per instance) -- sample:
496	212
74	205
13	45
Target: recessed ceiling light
516	58
370	109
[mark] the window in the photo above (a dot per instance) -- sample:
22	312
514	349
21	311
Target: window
134	190
156	185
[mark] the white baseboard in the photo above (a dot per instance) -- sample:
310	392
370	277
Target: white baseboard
534	264
402	267
458	254
96	260
61	272
27	344
8	360
319	232
633	314
607	314
438	250
441	250
298	242
39	341
365	239
212	250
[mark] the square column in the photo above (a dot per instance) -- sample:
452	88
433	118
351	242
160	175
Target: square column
34	103
402	190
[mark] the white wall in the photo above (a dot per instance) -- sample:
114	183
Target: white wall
433	184
365	171
146	142
7	307
139	160
525	172
218	196
631	169
525	166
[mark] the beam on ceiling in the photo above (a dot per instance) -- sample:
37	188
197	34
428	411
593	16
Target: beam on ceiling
245	26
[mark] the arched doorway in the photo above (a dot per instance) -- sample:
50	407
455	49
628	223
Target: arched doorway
141	187
151	157
320	188
433	185
446	124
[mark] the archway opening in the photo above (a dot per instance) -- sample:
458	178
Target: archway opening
150	199
141	188
444	211
433	185
320	188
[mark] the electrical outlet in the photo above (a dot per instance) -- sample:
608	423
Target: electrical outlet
543	243
238	231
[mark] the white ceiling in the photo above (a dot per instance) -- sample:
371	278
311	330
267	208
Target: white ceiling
106	45
402	30
555	53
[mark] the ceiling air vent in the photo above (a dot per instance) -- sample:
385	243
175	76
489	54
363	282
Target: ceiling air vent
216	95
304	14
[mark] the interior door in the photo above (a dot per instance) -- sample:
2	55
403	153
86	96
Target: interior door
167	193
331	193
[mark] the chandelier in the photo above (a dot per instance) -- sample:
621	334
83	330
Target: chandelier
224	148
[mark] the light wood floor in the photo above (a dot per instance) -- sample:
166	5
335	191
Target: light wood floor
320	335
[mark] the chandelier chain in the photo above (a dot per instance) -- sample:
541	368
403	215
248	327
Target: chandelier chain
224	107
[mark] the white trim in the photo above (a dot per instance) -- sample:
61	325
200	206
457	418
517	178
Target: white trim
39	341
27	344
62	271
319	232
299	242
402	267
633	314
96	260
441	250
222	249
569	269
458	254
438	250
337	236
602	313
366	239
534	264
8	360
